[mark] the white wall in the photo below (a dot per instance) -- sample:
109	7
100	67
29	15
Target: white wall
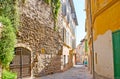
65	52
104	50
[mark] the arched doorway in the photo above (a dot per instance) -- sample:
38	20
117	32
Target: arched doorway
21	63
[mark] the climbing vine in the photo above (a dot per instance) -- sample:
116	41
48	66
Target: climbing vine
48	1
9	19
55	4
8	8
23	1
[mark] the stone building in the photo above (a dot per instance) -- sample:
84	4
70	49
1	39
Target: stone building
80	53
78	59
83	51
38	45
69	41
40	50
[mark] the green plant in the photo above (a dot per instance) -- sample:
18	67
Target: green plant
23	1
9	18
9	8
7	42
48	1
55	4
8	75
55	28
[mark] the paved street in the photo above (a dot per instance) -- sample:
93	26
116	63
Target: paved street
77	72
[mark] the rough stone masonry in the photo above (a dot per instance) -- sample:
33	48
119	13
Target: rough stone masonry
36	32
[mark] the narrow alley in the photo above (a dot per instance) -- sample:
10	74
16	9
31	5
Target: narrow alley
77	72
59	39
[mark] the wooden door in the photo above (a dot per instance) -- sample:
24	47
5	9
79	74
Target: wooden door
21	63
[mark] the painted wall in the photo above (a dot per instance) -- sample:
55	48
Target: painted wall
104	55
66	53
73	60
107	20
65	50
90	60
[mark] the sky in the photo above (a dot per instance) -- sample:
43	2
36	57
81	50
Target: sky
80	29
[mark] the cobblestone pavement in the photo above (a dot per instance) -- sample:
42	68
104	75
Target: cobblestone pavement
77	72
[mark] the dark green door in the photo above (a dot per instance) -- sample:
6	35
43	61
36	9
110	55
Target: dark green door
116	53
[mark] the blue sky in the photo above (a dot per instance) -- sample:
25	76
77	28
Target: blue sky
80	29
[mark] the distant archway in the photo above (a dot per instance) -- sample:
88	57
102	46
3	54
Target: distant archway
21	63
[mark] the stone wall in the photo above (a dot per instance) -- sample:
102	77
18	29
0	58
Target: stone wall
50	63
36	31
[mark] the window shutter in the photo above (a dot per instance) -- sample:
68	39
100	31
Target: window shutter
64	9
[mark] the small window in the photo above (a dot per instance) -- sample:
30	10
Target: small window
64	59
96	58
64	9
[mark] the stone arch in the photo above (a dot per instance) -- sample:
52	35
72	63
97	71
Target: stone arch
24	46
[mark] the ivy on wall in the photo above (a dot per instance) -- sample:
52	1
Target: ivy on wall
8	8
48	1
23	1
55	4
9	18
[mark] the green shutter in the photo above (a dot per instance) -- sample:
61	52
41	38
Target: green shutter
116	54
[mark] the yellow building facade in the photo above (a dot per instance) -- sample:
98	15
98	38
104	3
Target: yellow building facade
103	19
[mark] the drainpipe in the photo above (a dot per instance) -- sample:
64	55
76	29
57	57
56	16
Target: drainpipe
91	25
